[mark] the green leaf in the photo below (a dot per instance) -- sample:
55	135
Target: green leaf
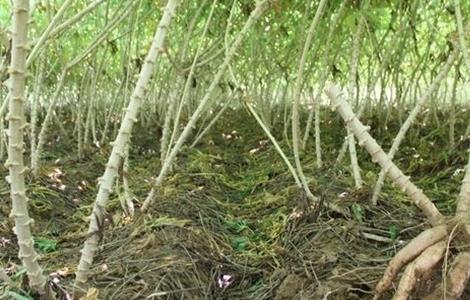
240	243
358	212
17	296
393	231
45	245
238	225
18	274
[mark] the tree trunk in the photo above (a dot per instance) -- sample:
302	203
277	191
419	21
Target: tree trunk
122	139
15	164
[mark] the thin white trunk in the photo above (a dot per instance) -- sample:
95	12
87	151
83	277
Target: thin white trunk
411	118
187	85
107	180
463	204
15	163
317	99
35	104
285	104
169	115
128	204
384	63
352	95
276	145
453	97
35	157
93	45
296	100
3	139
378	156
255	14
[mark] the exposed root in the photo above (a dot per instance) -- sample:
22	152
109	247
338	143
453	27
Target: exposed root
429	247
420	267
419	244
457	279
421	256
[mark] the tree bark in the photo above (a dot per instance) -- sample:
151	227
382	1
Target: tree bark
122	139
15	163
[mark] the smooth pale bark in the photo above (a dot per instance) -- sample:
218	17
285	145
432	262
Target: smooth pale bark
317	99
169	115
255	14
3	140
118	152
453	98
351	88
463	204
385	61
15	163
170	111
127	203
296	100
412	117
92	102
286	115
35	104
189	79
275	143
379	156
41	138
78	122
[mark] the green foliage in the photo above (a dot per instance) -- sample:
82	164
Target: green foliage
18	275
245	201
5	13
270	52
14	290
393	231
240	243
358	212
45	245
238	225
16	296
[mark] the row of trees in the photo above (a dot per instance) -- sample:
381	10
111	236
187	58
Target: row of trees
93	64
